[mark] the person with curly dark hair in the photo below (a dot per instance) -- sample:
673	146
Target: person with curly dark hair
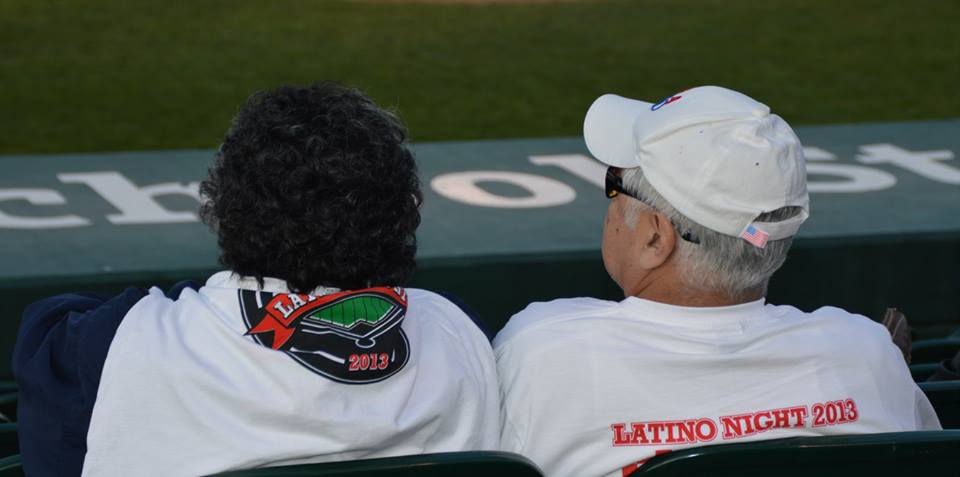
308	348
315	186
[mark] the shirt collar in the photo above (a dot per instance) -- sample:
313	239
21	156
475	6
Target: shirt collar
693	316
228	279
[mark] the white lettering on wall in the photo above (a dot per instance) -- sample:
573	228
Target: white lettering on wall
922	163
813	153
137	205
37	197
463	187
582	166
856	178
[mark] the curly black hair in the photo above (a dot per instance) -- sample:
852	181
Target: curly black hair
315	186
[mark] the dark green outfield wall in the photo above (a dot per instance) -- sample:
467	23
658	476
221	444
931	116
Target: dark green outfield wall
504	223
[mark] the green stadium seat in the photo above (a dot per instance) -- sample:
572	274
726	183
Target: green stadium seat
921	372
926	453
10	466
466	464
8	401
8	407
934	351
9	444
945	397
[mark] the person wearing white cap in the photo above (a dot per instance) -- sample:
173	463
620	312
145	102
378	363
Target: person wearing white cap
707	189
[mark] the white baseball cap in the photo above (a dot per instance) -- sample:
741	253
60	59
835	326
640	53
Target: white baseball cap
718	156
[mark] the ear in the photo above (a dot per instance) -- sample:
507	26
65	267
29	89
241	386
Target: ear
658	240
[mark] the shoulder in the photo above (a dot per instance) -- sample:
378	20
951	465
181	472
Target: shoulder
157	301
866	345
428	297
444	307
79	322
560	309
838	329
55	324
842	320
829	317
868	334
430	301
539	315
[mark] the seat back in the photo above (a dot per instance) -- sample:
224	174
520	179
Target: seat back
10	466
8	406
9	442
945	398
466	464
926	453
933	351
8	401
920	372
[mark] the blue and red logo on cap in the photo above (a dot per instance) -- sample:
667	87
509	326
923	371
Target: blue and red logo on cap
665	102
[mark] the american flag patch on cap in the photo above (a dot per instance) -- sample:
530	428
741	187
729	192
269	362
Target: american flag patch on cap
755	236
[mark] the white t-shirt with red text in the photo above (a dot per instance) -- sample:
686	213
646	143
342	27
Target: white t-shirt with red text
593	387
239	375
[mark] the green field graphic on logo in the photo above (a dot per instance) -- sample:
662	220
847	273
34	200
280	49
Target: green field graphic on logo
348	313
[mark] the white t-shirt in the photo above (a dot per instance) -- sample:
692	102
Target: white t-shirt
187	389
593	387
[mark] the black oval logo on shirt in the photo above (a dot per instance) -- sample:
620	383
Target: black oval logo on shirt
351	337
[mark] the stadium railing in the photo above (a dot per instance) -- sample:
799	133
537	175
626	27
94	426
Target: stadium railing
467	464
926	453
931	453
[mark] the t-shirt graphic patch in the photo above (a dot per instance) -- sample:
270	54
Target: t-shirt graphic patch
352	337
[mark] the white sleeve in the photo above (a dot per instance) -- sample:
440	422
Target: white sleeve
509	437
510	440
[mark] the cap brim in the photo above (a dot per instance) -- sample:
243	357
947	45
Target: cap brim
608	129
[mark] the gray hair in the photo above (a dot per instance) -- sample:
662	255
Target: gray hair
719	263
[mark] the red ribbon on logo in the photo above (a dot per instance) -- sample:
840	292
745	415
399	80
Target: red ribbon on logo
285	310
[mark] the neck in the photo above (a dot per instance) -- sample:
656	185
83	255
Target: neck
668	288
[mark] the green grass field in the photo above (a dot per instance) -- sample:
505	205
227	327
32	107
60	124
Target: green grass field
131	75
